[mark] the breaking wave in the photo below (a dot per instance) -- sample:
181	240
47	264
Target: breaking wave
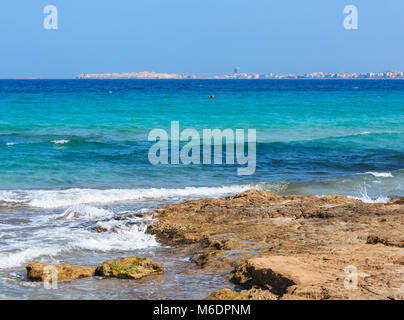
62	240
80	211
62	141
18	258
65	198
379	185
380	174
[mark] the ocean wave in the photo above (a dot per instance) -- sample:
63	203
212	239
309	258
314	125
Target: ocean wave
351	136
367	199
62	141
364	133
7	200
380	174
81	211
65	198
383	184
67	239
267	138
127	238
18	258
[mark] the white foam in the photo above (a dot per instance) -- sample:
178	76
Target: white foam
62	141
367	199
69	197
19	258
10	143
6	226
30	284
81	211
126	238
364	197
51	242
12	198
380	174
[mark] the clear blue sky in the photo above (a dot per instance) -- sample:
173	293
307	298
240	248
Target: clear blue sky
202	37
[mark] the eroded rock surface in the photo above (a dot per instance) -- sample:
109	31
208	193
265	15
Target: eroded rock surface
386	240
124	268
251	294
293	247
60	273
129	268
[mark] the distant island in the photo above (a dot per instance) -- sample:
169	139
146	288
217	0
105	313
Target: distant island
135	75
238	75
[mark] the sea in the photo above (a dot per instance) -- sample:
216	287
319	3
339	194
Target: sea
74	155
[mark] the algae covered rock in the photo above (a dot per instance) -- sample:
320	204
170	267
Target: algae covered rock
60	273
124	268
252	294
129	268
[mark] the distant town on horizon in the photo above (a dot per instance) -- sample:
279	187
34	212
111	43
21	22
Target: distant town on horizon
239	75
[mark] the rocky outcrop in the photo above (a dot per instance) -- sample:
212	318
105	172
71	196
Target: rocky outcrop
251	294
196	221
292	247
60	273
129	268
285	275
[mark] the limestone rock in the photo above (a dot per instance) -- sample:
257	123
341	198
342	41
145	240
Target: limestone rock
62	272
387	241
203	259
129	268
276	273
297	247
251	294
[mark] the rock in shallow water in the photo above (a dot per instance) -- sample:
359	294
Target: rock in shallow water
60	273
125	268
129	268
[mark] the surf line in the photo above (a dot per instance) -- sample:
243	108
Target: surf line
167	148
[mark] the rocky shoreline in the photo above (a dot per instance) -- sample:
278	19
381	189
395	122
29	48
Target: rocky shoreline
272	247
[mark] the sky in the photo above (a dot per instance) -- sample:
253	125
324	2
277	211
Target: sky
201	37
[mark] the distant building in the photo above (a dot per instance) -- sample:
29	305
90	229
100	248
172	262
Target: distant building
238	75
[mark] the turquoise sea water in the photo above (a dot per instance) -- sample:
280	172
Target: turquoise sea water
93	134
74	153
